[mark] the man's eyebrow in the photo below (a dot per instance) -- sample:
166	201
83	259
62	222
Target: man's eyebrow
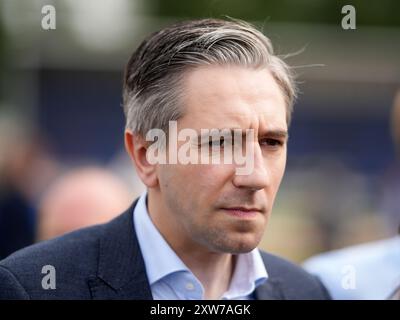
274	133
277	133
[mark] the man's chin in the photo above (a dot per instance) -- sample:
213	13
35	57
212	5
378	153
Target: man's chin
243	249
238	246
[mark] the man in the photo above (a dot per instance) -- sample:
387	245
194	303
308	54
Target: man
194	234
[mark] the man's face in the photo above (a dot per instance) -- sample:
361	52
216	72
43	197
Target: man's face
209	205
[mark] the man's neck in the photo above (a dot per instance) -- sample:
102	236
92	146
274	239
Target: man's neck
214	271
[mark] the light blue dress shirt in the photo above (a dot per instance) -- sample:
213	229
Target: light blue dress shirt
171	279
366	271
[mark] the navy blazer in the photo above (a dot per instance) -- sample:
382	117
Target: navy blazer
105	262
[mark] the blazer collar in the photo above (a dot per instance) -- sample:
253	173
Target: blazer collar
121	270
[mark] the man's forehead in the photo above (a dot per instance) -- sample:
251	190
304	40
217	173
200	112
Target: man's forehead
218	81
264	118
241	96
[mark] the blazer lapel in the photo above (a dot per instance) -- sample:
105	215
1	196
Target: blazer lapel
121	270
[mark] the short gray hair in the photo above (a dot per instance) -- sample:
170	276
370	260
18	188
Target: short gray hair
152	86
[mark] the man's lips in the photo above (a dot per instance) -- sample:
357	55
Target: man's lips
242	212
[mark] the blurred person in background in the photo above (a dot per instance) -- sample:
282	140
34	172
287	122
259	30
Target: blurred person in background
194	233
371	270
80	198
26	168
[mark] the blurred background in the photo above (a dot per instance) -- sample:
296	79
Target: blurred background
62	162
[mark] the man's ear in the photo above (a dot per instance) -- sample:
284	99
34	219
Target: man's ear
136	146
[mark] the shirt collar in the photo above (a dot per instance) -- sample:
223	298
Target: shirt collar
159	258
250	271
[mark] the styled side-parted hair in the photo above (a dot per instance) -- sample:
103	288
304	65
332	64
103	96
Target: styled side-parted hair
152	82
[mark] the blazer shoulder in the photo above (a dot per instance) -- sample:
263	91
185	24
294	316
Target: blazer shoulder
295	282
93	262
75	244
72	257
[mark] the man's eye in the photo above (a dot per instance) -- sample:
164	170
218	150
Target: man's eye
216	143
220	143
271	142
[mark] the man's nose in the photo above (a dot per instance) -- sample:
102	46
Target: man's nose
257	178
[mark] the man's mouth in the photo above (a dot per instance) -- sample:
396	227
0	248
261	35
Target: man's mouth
242	212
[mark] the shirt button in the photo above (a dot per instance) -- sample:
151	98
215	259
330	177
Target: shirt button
189	286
